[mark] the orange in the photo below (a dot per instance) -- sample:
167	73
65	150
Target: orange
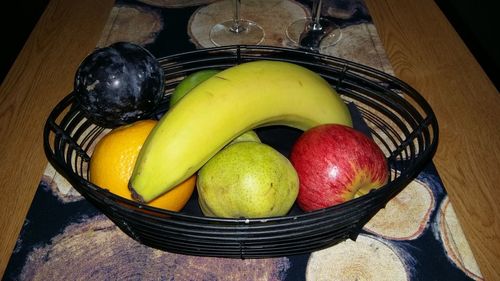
113	161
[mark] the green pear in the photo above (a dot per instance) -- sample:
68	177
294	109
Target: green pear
247	179
247	136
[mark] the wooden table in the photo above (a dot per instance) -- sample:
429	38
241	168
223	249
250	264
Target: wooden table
423	48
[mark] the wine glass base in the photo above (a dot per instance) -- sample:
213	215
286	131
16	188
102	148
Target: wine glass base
246	33
303	34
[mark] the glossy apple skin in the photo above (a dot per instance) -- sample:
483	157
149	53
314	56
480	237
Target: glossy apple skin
336	163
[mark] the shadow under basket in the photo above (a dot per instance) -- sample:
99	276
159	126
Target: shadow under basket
399	120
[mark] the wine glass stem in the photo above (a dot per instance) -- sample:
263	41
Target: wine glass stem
237	26
316	10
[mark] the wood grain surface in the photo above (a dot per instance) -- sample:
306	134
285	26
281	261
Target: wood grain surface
41	76
427	53
423	48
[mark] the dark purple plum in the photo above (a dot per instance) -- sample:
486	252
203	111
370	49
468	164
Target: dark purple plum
119	84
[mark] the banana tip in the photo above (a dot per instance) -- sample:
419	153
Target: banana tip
135	195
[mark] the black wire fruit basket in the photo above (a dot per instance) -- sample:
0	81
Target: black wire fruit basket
395	115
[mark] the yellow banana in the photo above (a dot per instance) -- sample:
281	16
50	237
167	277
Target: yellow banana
238	99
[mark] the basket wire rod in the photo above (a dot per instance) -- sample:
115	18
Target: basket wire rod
343	72
414	134
237	243
85	143
238	55
132	209
256	251
385	95
201	231
378	98
122	224
389	137
65	138
231	234
379	108
208	237
181	69
242	249
339	213
232	230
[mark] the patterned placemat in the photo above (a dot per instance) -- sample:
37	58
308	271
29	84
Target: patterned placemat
416	237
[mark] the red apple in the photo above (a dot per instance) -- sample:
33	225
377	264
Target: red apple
336	163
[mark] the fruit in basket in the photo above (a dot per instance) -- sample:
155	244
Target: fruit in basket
336	163
113	160
188	83
247	179
119	84
247	136
240	98
191	81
